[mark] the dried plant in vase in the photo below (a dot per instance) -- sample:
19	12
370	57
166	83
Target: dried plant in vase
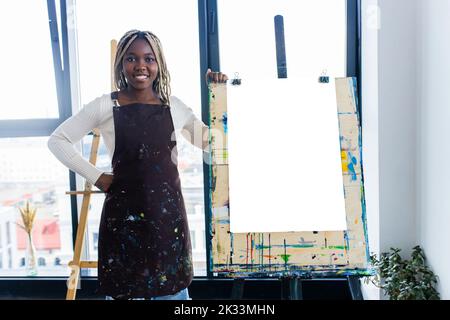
28	214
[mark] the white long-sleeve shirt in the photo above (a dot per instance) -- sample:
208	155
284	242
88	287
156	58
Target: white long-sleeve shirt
98	114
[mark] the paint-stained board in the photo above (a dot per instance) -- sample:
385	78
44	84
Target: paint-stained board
272	254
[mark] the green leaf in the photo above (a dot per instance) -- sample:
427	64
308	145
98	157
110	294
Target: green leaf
404	279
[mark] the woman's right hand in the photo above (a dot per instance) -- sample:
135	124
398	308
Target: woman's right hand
104	181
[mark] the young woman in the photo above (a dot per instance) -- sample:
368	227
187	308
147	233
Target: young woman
144	248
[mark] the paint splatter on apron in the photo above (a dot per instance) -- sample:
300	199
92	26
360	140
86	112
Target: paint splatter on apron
144	247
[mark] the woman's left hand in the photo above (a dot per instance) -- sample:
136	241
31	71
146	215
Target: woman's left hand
217	77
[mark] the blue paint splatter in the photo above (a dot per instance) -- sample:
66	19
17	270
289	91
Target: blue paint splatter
347	241
225	122
351	166
223	221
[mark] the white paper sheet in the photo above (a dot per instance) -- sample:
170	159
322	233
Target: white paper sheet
285	171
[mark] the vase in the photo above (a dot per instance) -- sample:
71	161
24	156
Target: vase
30	257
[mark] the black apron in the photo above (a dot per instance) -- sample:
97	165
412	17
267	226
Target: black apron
144	247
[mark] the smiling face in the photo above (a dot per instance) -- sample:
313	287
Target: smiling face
139	65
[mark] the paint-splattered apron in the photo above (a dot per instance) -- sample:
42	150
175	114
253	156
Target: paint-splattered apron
144	247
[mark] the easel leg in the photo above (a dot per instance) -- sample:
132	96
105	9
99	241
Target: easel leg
238	289
355	288
295	287
72	282
291	288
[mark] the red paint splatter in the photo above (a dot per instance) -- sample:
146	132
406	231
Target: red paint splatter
246	251
251	248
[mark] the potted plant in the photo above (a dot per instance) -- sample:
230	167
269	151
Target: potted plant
404	279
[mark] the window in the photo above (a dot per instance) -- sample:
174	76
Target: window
194	243
40	100
198	209
10	258
95	240
41	262
31	173
8	228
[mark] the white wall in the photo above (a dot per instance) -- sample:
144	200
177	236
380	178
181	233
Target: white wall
397	123
389	56
411	120
433	154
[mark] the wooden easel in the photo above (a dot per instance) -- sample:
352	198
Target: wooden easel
76	264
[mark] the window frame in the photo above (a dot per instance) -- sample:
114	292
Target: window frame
44	127
209	58
27	128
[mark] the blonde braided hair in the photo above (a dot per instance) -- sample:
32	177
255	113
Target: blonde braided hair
161	85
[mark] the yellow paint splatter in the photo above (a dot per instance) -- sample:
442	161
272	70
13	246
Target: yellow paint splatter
344	160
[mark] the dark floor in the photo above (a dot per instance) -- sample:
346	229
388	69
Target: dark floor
201	288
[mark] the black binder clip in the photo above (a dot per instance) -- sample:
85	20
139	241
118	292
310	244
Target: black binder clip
236	81
324	78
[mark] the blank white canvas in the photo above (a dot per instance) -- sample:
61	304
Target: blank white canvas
285	171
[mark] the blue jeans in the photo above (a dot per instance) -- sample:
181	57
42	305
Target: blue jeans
180	295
